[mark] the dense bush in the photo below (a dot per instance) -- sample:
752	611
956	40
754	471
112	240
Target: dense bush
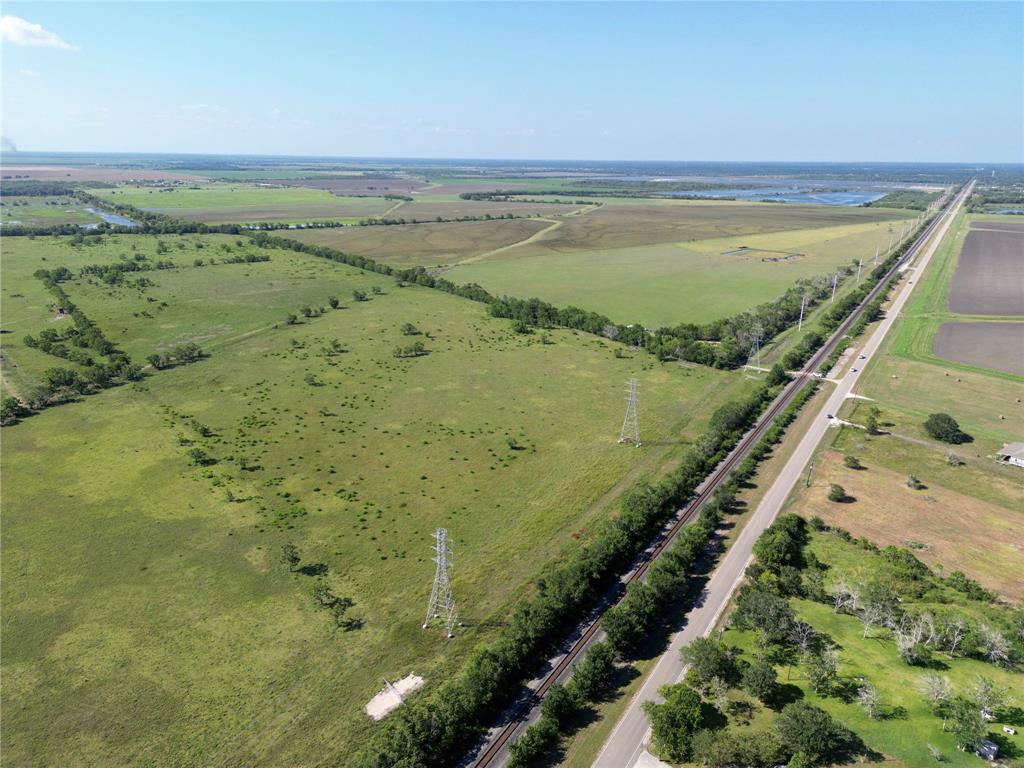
944	427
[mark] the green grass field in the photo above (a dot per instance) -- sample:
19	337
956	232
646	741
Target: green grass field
669	283
44	211
220	203
147	616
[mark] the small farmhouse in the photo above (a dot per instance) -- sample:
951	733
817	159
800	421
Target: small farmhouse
1012	453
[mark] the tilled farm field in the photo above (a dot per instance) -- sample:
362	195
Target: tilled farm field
989	279
988	345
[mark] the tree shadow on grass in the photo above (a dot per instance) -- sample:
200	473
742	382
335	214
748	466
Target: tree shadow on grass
313	569
786	693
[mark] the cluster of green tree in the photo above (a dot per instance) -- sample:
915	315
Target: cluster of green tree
28	188
887	602
688	729
457	713
541	314
910	199
60	385
591	679
521	196
54	342
388	222
982	199
734	335
944	427
179	355
416	349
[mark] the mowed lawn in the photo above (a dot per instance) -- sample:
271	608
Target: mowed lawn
229	203
670	283
148	618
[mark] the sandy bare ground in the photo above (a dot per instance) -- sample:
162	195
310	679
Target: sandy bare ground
392	695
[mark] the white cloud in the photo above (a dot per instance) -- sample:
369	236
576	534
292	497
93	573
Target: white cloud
18	31
28	73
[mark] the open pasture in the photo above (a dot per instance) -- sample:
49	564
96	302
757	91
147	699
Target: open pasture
424	244
356	185
986	345
44	211
989	279
147	610
430	208
634	223
669	283
90	173
231	203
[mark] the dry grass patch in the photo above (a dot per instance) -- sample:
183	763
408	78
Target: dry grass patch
984	540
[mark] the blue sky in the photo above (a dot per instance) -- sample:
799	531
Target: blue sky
669	81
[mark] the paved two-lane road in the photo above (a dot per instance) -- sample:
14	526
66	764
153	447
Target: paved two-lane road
626	747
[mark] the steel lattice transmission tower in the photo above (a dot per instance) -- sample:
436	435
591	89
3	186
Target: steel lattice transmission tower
630	432
442	602
756	334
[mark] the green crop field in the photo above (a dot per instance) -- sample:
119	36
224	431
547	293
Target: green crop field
44	211
665	284
219	203
147	614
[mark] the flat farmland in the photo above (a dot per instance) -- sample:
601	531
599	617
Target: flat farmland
625	224
147	614
430	208
230	203
985	345
668	283
44	211
87	173
357	185
989	279
424	244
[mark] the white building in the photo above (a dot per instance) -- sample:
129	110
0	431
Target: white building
1012	453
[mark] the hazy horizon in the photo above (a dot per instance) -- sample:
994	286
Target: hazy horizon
791	82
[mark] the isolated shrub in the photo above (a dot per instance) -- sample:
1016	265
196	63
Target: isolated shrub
944	427
852	462
777	375
836	493
290	556
915	483
760	681
333	301
871	423
675	722
802	727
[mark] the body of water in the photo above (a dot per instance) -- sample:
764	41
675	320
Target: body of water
788	195
113	218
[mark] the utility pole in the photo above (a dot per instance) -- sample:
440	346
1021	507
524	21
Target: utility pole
876	256
630	432
835	279
807	481
803	303
860	263
442	602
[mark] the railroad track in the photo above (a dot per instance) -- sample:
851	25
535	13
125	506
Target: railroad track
520	712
